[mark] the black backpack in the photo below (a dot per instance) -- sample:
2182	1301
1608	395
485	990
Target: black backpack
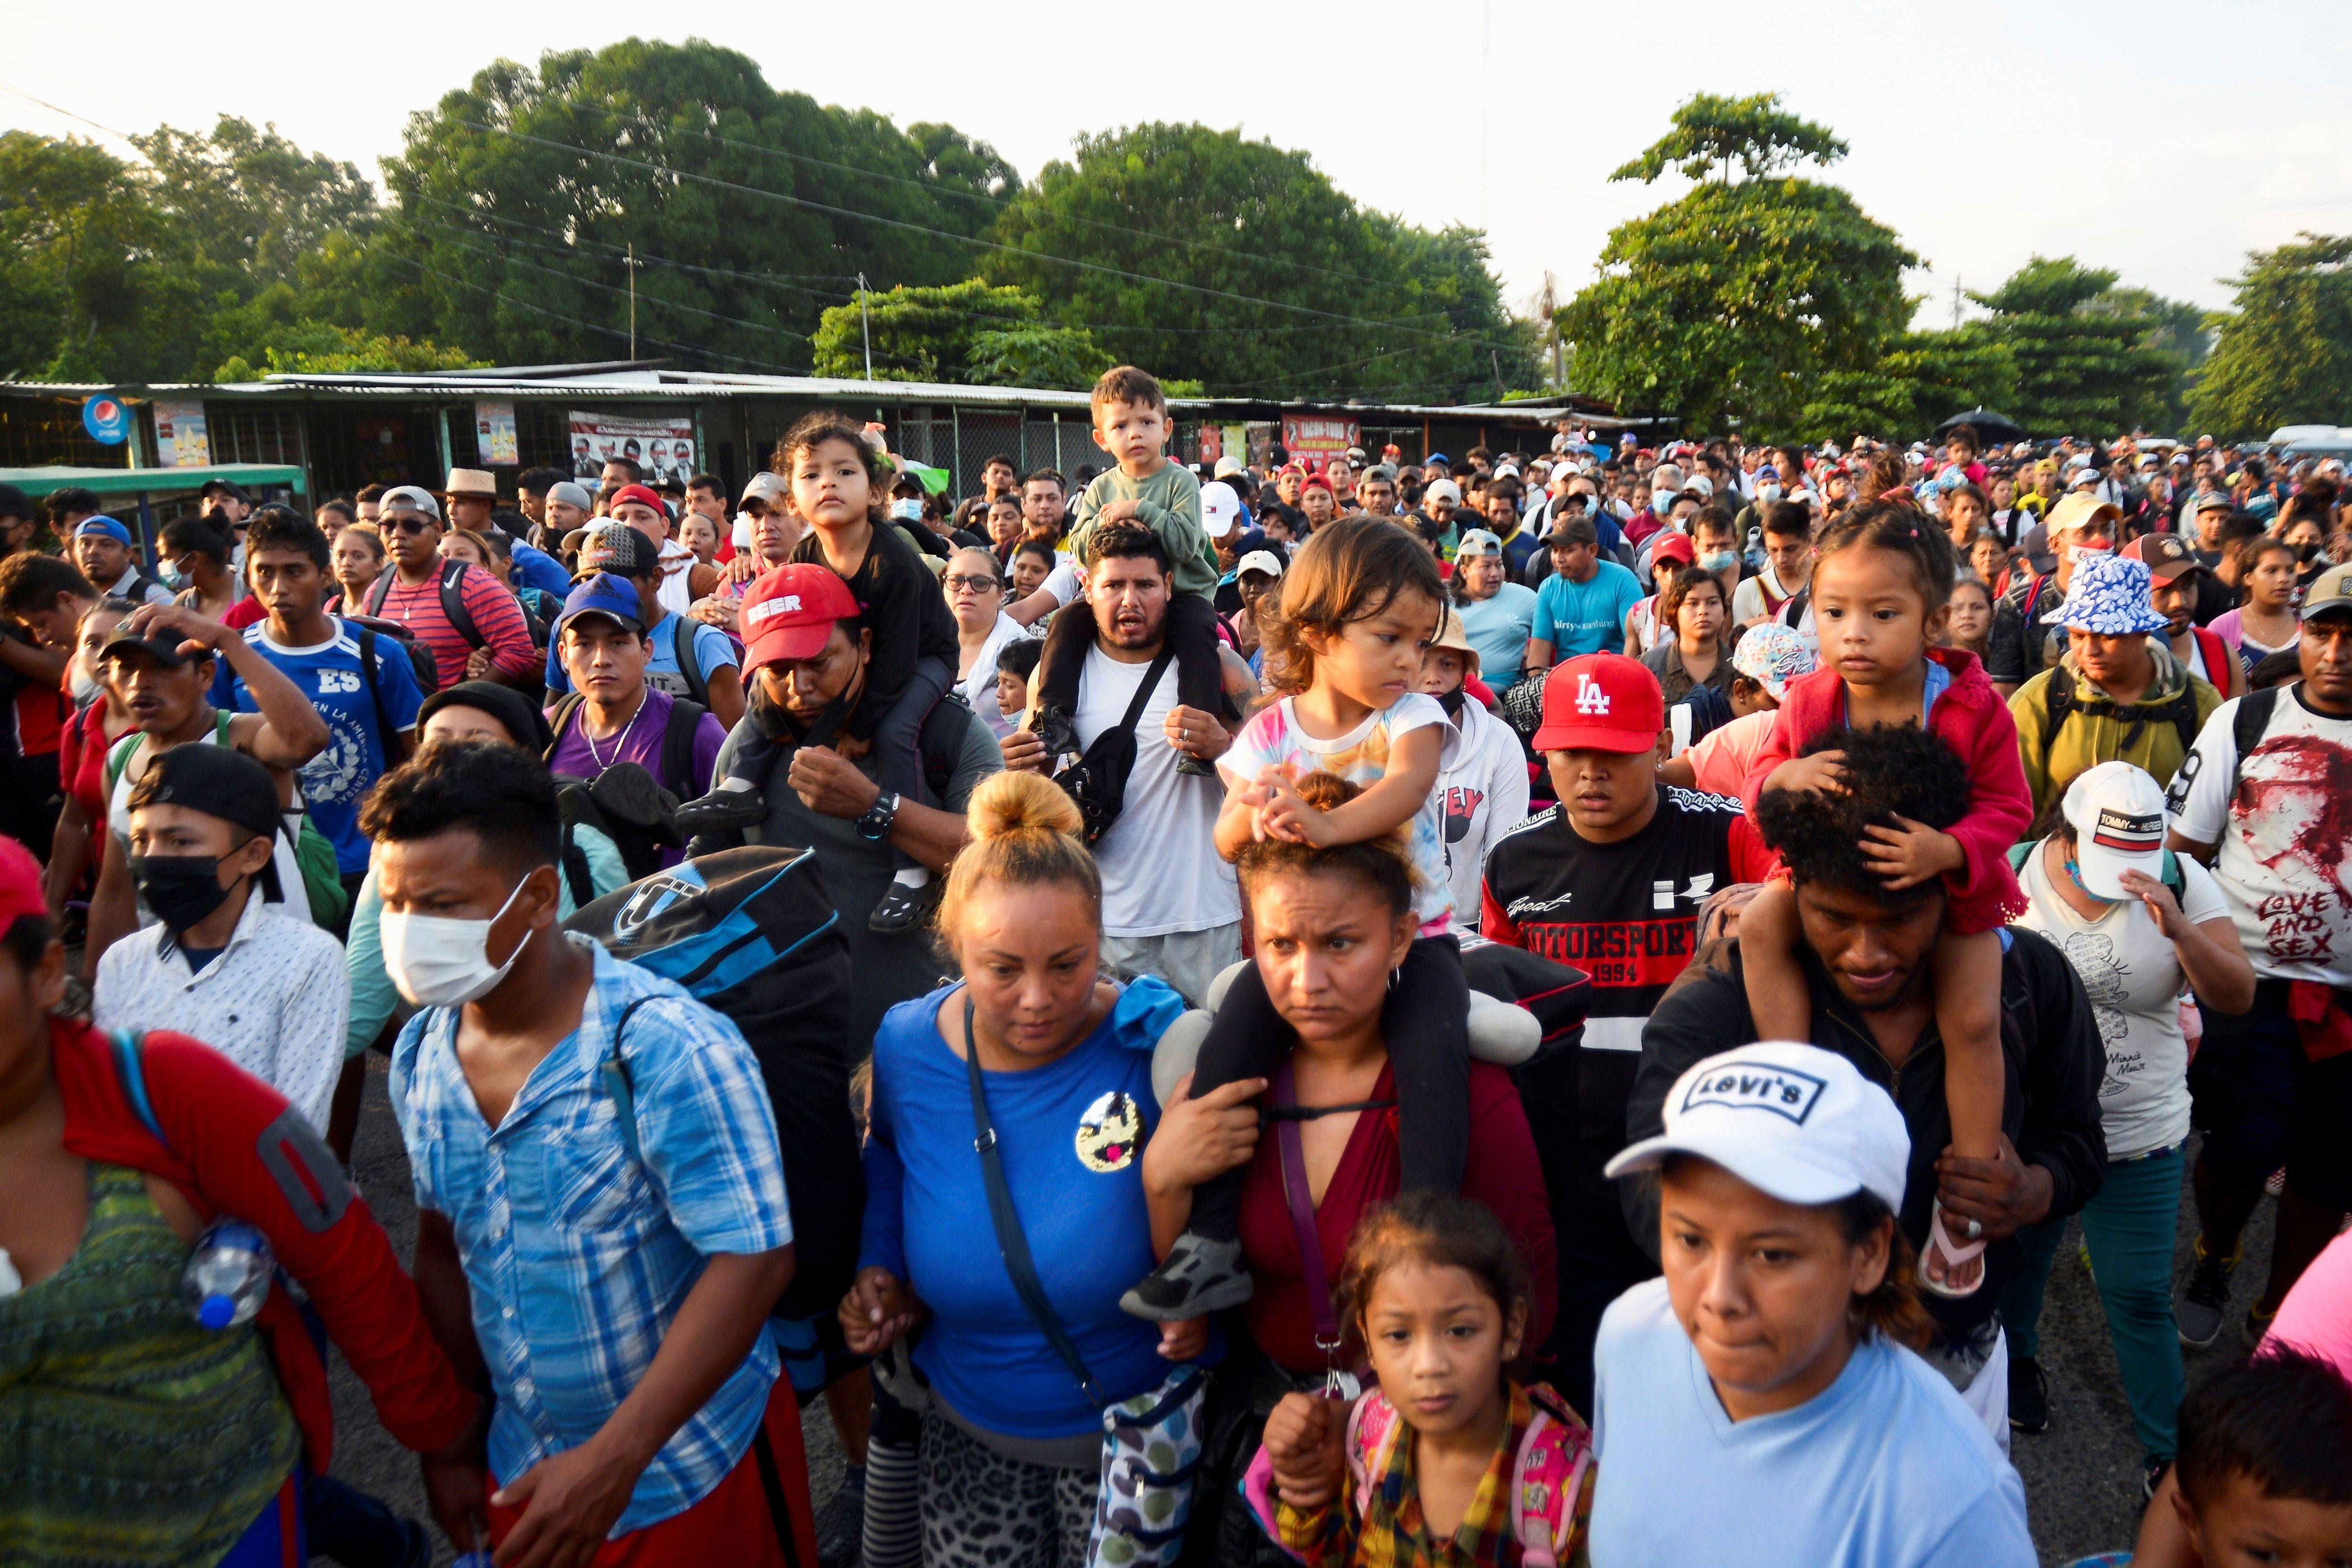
637	810
2062	697
421	659
1098	780
753	935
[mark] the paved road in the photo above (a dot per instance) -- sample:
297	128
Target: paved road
2082	1477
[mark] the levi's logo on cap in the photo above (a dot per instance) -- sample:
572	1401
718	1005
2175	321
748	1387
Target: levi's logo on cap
1751	1087
2122	830
783	604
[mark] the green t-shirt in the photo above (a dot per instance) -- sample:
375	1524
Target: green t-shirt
1168	503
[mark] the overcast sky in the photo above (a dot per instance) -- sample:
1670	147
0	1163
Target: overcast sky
2162	139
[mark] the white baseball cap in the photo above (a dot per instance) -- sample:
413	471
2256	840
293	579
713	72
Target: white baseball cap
2117	813
1228	464
1264	560
1220	505
1443	490
1477	542
1795	1122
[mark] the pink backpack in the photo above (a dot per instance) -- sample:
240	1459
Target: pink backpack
1554	1458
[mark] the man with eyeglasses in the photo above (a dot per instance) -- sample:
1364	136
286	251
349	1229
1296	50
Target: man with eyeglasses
451	606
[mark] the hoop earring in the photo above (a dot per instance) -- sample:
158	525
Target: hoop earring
1395	975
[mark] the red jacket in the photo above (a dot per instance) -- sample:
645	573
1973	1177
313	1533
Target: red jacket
1971	719
233	1146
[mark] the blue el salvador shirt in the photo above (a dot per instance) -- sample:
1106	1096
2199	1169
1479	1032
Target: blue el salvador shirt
330	675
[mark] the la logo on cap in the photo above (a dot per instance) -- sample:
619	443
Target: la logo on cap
1589	695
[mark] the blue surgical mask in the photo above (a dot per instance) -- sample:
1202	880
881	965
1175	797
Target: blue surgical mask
168	574
1717	561
908	511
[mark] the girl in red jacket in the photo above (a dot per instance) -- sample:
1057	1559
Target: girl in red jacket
1882	583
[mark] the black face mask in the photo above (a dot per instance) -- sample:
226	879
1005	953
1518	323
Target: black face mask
2307	551
1452	701
180	889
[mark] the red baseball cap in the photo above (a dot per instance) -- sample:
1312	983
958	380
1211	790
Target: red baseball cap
644	495
1673	544
1601	701
20	884
789	612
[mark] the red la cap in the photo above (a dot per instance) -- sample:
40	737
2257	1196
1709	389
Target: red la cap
1601	701
20	884
642	494
1673	544
789	612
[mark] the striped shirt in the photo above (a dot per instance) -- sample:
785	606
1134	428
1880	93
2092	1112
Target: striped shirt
578	1255
495	615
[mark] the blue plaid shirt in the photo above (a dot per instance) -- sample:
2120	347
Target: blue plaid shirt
577	1256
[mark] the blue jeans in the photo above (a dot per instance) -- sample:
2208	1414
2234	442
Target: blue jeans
2129	1228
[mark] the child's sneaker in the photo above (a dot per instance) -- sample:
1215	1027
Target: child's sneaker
2258	1324
734	805
2206	1298
1192	767
1059	735
1199	1277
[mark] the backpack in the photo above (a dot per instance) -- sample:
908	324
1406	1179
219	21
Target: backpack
752	934
314	852
421	658
2217	658
689	669
1097	782
453	601
634	807
2061	697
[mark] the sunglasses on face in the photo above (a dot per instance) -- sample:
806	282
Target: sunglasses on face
412	523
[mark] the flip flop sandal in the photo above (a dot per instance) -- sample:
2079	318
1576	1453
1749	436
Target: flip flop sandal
1955	1253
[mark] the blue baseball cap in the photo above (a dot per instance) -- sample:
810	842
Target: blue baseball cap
102	524
604	594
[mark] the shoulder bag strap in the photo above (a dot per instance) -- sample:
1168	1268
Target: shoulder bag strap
1301	1202
130	1071
1009	1238
689	667
613	1074
453	605
1150	685
560	714
380	589
385	734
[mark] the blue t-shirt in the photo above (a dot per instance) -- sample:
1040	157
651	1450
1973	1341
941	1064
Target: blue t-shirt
534	568
1885	1468
1498	628
1589	617
330	675
1071	1135
713	650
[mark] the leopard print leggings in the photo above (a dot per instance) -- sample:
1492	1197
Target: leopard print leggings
981	1510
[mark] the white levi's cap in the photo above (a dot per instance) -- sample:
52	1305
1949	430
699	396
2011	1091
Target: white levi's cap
1795	1122
1220	505
2117	813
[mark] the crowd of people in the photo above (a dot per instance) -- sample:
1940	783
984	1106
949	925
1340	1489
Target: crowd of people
1551	1007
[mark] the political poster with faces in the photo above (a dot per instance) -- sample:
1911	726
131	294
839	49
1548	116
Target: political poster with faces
664	446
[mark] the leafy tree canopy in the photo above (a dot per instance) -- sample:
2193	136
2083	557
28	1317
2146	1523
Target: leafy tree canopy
2283	354
1726	306
1201	255
967	332
2086	361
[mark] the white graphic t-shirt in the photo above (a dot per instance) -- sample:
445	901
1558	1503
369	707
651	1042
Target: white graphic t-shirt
1275	739
2283	816
2132	973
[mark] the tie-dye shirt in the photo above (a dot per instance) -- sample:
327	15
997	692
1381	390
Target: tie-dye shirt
1275	739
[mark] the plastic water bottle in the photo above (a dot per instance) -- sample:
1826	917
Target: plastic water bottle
228	1276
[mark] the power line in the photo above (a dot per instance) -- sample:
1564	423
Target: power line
852	214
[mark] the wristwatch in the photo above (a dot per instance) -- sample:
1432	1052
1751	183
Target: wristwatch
876	823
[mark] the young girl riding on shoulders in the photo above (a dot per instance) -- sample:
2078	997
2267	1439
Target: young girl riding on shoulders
1346	623
1882	589
1450	1448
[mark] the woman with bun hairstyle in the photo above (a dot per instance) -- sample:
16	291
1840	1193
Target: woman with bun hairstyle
1011	1445
1332	925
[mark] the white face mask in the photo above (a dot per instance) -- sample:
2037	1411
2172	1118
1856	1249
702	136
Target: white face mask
436	961
743	523
1768	492
909	510
84	686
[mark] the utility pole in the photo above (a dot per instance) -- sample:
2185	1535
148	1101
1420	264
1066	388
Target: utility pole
633	298
1548	303
865	326
1955	304
1486	60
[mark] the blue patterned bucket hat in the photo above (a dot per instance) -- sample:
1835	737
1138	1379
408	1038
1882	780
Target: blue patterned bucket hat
2110	597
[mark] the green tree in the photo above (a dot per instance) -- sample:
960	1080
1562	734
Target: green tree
522	196
1729	306
967	332
81	284
2283	355
250	202
1201	255
1922	380
2087	362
